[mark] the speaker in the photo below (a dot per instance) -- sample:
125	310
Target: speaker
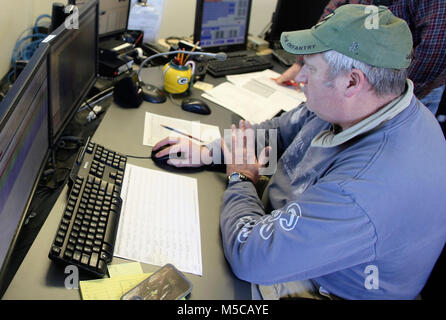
128	93
200	70
58	15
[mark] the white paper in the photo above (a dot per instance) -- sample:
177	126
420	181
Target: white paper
146	18
159	220
266	77
255	96
154	132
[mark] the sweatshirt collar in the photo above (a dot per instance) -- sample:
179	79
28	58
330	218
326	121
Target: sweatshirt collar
333	137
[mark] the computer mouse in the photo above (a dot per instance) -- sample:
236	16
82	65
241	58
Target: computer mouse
153	94
163	160
196	106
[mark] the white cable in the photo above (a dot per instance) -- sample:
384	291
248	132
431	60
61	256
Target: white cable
219	56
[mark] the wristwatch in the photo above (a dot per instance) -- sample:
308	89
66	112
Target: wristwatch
236	177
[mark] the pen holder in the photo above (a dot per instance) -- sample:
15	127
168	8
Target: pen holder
177	78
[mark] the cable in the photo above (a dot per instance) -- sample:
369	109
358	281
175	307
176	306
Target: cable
138	157
173	100
28	49
98	98
221	56
91	109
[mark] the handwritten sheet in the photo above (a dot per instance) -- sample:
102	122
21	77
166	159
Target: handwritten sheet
159	220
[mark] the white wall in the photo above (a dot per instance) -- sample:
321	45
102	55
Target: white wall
178	20
179	17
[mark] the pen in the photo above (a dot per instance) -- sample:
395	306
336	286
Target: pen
193	49
182	133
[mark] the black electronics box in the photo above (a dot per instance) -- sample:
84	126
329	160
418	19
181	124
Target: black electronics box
114	67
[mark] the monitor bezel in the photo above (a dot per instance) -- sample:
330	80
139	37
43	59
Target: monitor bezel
113	33
58	35
11	101
227	47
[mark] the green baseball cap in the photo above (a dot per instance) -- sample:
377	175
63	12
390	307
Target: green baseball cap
365	33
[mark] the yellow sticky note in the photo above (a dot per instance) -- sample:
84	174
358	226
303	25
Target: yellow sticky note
123	269
203	86
111	288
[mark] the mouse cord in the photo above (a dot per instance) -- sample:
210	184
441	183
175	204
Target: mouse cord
138	157
173	100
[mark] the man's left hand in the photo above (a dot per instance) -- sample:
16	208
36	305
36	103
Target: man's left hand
242	156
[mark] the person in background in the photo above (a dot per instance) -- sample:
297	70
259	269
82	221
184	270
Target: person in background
427	22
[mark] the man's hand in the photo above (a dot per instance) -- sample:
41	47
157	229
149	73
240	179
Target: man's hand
289	75
242	157
193	155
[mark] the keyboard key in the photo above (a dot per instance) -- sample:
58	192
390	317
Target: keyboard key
85	259
68	254
55	250
102	266
77	256
94	260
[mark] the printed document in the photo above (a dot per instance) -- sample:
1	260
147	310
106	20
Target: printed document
255	96
159	220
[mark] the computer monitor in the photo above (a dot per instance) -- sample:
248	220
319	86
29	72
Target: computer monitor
113	16
291	15
24	150
72	67
222	25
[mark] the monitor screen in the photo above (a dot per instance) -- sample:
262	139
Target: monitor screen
73	67
222	25
291	15
113	15
24	145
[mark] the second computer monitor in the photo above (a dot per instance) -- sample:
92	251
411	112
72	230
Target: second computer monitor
222	25
73	66
291	15
113	16
24	146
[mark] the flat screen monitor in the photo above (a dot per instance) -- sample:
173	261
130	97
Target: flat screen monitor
222	25
73	66
291	15
24	149
113	16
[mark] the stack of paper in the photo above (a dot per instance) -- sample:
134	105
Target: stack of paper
159	220
255	96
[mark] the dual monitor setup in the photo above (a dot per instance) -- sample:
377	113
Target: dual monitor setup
34	113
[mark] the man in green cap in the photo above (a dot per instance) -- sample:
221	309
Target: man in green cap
427	21
355	208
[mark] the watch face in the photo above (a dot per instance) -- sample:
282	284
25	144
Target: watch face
234	177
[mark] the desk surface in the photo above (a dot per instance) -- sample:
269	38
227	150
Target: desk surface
122	130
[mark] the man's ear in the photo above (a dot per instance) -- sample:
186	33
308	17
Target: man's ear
355	83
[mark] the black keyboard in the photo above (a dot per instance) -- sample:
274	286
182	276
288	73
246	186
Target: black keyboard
87	230
237	64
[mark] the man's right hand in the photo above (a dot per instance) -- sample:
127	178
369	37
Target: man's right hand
289	75
193	155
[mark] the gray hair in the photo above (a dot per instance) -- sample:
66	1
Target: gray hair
384	81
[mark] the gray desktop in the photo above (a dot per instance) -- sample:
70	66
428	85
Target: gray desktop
122	130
